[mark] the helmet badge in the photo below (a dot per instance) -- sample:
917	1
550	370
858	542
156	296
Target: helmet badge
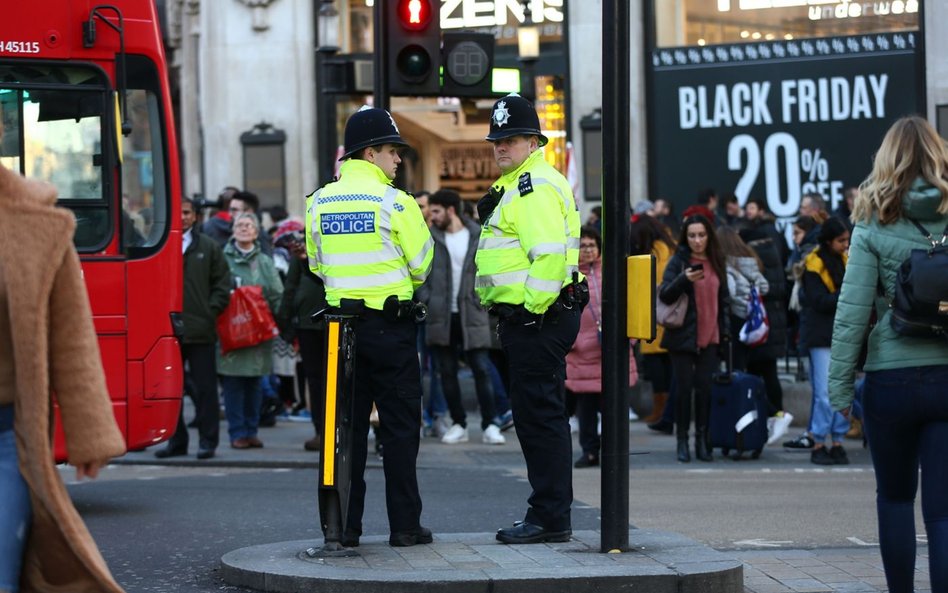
392	119
501	115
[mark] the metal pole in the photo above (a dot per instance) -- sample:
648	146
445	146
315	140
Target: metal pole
615	344
380	95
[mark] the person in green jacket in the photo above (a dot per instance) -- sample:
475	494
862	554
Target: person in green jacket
905	403
206	294
241	370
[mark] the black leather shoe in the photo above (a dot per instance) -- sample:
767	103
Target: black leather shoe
662	426
403	539
169	452
702	450
528	533
350	539
205	454
684	455
587	461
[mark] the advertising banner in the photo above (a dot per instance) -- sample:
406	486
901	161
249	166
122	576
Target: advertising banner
776	119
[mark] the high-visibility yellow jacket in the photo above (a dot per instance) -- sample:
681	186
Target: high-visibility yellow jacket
366	239
529	246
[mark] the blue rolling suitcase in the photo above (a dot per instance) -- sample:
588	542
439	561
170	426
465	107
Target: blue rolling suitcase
738	413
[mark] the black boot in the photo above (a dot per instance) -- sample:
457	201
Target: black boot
684	455
702	447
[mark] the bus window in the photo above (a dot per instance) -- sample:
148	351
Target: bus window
146	201
52	118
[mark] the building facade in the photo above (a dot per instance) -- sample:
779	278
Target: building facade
738	95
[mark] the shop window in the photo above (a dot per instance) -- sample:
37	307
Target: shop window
710	22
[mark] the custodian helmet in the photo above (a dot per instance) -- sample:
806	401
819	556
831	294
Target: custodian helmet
370	126
512	116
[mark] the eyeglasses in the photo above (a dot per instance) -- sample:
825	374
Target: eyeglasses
235	210
588	246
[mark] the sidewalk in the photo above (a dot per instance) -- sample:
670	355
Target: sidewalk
851	570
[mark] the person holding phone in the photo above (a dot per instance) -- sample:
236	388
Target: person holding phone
698	270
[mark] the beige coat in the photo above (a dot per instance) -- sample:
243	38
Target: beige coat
55	350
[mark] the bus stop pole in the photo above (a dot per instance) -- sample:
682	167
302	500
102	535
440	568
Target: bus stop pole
615	344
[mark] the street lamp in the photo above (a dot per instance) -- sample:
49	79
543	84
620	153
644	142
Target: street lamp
328	27
528	48
327	45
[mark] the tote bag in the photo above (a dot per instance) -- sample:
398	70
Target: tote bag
247	320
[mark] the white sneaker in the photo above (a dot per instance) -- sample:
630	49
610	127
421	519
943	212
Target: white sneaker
781	425
456	434
492	436
632	415
573	424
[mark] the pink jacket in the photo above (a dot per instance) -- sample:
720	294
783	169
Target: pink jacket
584	361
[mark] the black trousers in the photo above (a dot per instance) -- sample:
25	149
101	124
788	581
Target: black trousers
588	408
313	352
693	376
479	362
537	358
201	360
386	372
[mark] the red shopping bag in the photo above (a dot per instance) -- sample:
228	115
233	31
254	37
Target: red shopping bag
247	320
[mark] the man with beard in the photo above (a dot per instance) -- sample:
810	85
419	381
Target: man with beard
456	318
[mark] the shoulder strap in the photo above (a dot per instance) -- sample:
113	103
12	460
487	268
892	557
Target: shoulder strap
927	235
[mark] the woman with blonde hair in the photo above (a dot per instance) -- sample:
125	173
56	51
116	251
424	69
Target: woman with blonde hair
905	407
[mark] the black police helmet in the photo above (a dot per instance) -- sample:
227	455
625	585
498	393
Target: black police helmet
513	116
370	127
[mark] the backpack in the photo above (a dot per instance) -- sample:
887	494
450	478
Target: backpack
920	306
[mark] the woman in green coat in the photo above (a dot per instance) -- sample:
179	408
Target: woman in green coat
905	403
241	370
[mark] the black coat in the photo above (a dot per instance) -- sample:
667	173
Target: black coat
819	311
775	302
206	289
674	283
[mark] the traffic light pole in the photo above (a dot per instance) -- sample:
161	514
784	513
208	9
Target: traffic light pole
380	96
615	344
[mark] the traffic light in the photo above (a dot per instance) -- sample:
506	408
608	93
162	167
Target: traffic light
414	46
468	63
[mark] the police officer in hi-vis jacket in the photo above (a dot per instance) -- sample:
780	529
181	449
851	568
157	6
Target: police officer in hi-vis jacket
527	273
369	243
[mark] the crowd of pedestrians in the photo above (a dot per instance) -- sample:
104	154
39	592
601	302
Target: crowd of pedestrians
512	290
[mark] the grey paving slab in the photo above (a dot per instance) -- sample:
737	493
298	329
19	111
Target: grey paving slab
474	563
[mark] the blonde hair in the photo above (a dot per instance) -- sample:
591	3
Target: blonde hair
911	148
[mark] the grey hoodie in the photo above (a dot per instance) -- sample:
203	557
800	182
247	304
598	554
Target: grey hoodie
742	273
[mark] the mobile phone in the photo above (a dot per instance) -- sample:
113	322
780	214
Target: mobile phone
696	267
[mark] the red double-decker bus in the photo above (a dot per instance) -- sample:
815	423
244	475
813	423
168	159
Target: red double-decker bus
85	106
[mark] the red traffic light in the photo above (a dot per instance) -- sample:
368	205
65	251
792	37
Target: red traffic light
414	15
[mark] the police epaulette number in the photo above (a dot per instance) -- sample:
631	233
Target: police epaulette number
525	184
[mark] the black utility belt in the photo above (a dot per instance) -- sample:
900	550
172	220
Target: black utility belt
392	310
574	295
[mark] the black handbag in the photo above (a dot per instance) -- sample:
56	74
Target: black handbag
920	306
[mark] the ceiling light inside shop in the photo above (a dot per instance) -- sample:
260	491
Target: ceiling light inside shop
755	35
745	34
701	42
788	36
769	36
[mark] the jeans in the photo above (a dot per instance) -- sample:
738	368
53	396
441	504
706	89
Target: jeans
15	502
823	420
436	405
906	419
588	408
242	399
447	357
